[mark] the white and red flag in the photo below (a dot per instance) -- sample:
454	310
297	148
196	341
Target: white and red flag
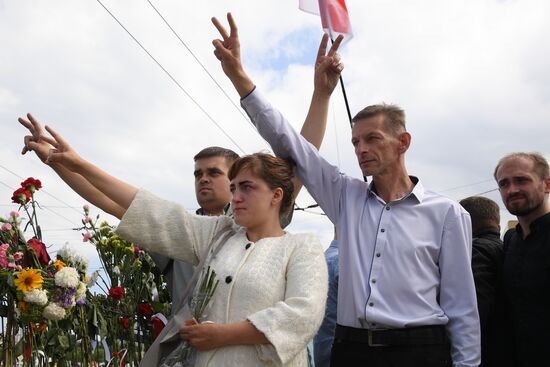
333	13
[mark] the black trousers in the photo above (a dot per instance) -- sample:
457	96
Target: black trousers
346	353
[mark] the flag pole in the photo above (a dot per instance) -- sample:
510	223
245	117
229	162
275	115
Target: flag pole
344	92
346	102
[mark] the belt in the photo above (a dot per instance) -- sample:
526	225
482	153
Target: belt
421	335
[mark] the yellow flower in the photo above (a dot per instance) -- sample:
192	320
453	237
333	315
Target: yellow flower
28	279
59	264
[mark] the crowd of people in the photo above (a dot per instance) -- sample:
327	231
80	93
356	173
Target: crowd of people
414	278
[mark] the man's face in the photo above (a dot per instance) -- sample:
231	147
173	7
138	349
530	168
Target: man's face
376	148
212	183
521	188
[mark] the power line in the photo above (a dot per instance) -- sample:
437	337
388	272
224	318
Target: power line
466	185
485	192
43	190
249	123
172	78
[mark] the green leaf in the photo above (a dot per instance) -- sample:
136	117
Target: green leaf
63	341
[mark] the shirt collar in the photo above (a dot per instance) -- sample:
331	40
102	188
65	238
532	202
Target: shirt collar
417	192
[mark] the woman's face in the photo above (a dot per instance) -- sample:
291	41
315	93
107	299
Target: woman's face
253	201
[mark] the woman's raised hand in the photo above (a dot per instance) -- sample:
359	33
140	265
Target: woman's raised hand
51	150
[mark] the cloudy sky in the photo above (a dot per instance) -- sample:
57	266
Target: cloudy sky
472	76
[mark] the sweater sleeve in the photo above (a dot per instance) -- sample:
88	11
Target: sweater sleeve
290	324
168	229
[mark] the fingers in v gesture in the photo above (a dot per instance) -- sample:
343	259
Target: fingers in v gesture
228	51
328	66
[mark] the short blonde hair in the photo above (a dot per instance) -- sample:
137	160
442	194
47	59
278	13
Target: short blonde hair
394	116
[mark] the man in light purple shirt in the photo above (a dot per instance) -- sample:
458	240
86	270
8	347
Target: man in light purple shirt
406	293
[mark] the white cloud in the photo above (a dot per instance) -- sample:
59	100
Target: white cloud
472	77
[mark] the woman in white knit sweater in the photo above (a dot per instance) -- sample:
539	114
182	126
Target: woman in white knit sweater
272	292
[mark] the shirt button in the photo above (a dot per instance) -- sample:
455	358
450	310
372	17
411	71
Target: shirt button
371	304
387	208
228	279
247	246
382	230
378	254
373	281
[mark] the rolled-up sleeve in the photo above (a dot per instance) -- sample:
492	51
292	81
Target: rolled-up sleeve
290	324
457	295
167	228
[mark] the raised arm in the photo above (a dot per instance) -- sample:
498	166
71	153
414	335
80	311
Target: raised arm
316	173
96	186
78	183
327	73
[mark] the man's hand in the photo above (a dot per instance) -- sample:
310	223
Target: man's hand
204	336
327	66
228	51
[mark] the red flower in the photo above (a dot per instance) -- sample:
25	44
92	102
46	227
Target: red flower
145	309
158	325
124	322
39	250
21	196
116	293
31	184
121	355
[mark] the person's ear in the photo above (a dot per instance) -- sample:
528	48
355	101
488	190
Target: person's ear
404	142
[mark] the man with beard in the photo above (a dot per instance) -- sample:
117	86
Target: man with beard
524	183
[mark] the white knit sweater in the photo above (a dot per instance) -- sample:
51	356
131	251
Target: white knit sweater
278	283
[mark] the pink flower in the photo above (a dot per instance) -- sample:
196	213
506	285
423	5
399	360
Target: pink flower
86	236
86	207
6	227
3	255
87	219
14	266
14	214
18	256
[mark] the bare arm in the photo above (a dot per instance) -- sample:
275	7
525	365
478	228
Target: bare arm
327	74
210	335
89	181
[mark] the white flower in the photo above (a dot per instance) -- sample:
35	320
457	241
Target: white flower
38	296
67	254
80	291
81	263
73	258
54	312
93	279
116	270
67	277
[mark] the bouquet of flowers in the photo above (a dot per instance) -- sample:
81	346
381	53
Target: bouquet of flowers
133	294
184	354
39	296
